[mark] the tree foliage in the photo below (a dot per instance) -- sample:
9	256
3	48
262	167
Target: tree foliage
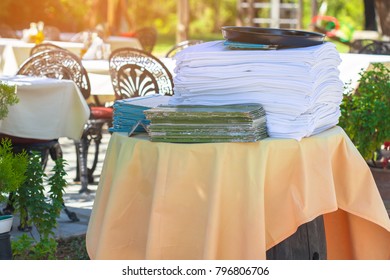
365	113
206	16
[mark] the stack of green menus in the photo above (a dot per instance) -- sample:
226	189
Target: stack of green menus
202	124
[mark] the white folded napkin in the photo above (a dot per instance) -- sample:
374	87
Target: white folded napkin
95	51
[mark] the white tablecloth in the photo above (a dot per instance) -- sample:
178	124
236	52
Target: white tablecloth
352	64
47	109
13	52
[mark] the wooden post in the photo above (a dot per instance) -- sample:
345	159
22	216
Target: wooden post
111	16
183	20
314	8
299	14
275	14
251	12
240	14
382	9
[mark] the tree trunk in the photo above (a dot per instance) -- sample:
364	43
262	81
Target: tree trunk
183	18
382	8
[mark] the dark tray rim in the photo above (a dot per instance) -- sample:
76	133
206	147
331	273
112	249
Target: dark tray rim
275	36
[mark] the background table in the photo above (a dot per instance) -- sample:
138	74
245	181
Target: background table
234	200
47	109
352	64
13	52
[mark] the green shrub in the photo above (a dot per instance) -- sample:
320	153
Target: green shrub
12	169
39	210
365	113
7	97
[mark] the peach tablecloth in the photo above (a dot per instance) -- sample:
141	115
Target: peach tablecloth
234	200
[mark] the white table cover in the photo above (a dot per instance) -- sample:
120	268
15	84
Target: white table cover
47	109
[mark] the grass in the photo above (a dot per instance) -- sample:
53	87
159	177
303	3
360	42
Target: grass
72	248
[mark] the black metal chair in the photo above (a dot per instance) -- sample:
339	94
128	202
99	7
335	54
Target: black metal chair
137	73
376	47
369	46
147	36
62	64
181	46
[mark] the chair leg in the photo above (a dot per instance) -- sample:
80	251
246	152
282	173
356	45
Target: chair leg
71	215
82	148
97	138
93	134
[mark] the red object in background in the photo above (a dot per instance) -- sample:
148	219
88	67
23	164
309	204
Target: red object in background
385	160
330	33
127	34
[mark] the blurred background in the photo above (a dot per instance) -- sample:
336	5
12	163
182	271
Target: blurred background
178	20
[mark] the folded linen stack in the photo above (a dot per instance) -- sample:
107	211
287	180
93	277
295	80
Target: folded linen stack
128	113
200	124
299	88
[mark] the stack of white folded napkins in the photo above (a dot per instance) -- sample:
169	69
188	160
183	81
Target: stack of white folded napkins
299	88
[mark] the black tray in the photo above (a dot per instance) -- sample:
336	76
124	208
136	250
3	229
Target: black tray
282	38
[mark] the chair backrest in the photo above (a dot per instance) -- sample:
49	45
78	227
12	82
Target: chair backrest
376	47
358	44
7	31
147	36
57	64
137	73
181	46
52	33
44	47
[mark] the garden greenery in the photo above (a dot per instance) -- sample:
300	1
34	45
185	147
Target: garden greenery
365	113
7	97
39	209
12	169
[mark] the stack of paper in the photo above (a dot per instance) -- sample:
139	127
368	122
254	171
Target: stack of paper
191	124
129	112
299	88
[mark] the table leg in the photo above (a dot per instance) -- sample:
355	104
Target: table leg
307	243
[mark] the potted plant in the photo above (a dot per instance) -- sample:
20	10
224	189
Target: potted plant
365	117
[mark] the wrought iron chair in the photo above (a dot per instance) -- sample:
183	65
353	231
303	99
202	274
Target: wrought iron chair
147	36
376	47
137	73
44	47
51	33
181	46
369	46
62	64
